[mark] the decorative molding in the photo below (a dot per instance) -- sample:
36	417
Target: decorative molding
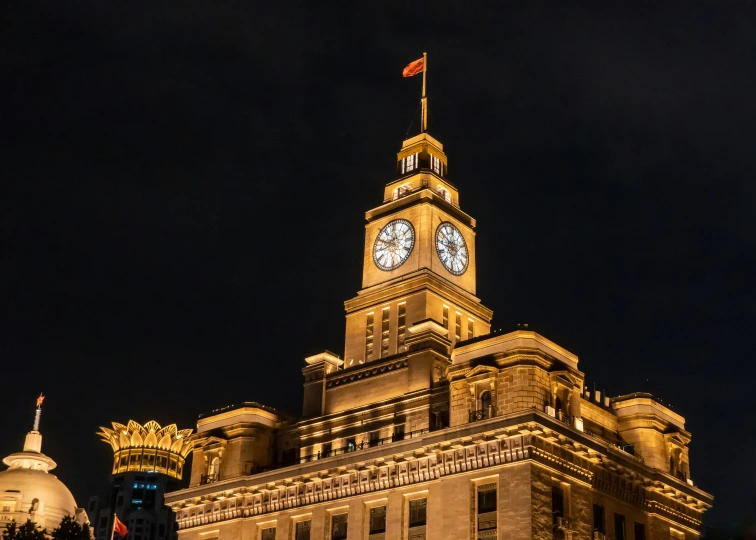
366	373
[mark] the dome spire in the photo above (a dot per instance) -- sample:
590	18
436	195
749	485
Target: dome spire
32	457
38	413
33	442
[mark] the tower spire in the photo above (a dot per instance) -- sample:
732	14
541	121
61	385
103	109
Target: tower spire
38	412
424	99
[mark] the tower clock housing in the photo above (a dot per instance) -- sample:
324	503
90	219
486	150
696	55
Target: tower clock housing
418	261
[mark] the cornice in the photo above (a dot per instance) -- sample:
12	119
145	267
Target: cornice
335	379
418	281
499	441
421	197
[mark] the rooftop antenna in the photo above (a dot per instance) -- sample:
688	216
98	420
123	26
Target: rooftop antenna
38	413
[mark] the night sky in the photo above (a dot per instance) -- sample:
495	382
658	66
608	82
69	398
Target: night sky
185	186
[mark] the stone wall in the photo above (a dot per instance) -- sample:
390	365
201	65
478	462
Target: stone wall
521	388
460	402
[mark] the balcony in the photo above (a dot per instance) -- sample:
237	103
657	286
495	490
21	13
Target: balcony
483	414
362	445
209	478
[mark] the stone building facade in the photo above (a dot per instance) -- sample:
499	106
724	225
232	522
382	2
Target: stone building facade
434	426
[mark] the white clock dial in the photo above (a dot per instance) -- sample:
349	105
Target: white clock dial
393	244
452	248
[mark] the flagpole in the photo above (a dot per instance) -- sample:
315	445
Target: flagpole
112	531
424	99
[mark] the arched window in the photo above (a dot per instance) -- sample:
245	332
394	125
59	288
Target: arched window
214	467
485	401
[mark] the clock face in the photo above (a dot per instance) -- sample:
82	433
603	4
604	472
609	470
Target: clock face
452	248
393	244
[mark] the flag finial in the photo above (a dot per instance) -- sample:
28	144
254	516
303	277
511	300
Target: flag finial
413	68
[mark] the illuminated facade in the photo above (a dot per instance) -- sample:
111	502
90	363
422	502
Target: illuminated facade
148	461
432	425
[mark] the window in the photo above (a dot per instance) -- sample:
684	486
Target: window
6	508
369	338
440	420
557	503
403	190
378	520
417	509
598	518
339	527
487	499
385	332
302	530
402	327
374	438
485	403
409	163
486	507
351	444
161	529
326	449
399	432
458	327
619	527
268	534
640	531
470	327
435	164
445	321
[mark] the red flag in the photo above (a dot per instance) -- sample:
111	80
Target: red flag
413	68
120	528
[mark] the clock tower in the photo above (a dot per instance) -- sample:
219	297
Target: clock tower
419	260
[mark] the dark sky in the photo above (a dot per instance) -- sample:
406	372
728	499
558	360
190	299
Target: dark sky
185	186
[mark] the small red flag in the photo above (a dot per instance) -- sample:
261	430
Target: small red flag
120	528
413	68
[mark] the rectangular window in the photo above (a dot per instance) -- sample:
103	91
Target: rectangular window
435	165
598	519
619	527
268	534
398	432
470	328
445	320
385	332
486	507
378	520
417	509
339	527
402	327
374	438
302	530
6	508
326	449
486	499
557	503
369	338
351	444
640	531
458	327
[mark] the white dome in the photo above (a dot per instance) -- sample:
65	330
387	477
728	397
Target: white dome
29	491
22	488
